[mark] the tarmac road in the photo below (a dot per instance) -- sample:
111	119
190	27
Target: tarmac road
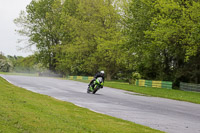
163	114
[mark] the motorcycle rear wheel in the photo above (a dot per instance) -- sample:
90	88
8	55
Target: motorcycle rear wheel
88	90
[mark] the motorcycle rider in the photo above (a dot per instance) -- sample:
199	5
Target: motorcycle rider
99	74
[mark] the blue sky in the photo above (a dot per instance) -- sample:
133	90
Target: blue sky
9	10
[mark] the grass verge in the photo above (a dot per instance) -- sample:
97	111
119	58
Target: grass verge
24	111
180	95
20	74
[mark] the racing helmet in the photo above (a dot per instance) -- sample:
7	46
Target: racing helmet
102	73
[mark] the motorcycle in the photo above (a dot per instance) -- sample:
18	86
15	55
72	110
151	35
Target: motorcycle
96	85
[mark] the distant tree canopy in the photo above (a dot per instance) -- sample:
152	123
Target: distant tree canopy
5	65
25	64
159	39
20	64
2	56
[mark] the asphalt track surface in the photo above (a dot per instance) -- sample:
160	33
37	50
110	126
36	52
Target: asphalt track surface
163	114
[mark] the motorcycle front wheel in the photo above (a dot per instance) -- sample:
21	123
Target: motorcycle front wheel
95	90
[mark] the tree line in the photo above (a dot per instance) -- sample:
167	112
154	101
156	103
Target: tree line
157	38
20	64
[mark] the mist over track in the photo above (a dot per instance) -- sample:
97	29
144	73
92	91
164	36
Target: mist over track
163	114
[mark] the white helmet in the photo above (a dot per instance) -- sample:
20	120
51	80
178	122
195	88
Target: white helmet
102	72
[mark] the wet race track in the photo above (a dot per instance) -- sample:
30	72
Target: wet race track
158	113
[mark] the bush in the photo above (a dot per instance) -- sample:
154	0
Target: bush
134	77
5	66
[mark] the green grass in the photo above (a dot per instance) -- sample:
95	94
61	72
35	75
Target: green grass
188	96
193	97
24	111
22	74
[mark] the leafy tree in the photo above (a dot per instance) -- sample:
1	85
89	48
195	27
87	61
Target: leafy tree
164	36
138	19
5	65
24	64
92	37
2	56
174	31
39	23
157	38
